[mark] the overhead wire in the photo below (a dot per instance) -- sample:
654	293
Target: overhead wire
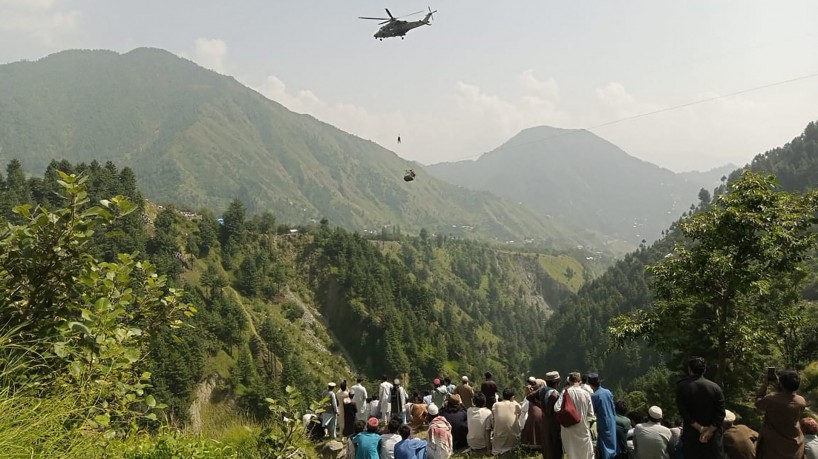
641	115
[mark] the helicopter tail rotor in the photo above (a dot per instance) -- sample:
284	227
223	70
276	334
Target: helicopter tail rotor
429	15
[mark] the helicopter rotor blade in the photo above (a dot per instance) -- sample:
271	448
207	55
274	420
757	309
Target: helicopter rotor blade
376	19
410	14
388	13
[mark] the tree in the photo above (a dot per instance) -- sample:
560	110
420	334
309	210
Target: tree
729	292
89	322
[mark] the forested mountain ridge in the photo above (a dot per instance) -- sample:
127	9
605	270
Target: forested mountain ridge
200	139
626	286
279	304
581	179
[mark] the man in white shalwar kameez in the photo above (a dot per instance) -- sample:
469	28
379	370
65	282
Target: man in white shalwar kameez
576	440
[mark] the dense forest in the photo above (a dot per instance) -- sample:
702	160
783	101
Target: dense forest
583	320
129	316
269	305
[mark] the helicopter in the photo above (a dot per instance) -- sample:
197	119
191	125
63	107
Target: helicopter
395	27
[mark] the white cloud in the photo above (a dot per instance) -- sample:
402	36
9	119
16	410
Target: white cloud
478	122
698	136
47	21
211	53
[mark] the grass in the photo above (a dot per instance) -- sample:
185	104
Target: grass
35	427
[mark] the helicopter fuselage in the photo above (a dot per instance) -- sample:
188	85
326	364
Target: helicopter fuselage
398	28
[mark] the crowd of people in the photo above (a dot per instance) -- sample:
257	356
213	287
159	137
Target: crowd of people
578	420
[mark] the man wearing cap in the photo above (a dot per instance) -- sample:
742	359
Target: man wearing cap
329	418
605	410
651	439
701	404
360	397
552	442
366	442
465	391
739	440
439	436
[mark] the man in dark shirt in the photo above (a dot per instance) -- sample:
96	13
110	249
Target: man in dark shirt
489	389
623	425
701	404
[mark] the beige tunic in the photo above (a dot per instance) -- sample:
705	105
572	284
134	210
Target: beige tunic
505	423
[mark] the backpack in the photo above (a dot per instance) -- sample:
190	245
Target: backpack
568	415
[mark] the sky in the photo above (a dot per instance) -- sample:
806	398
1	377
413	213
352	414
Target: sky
484	70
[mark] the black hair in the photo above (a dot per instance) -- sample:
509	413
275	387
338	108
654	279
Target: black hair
447	380
487	375
621	407
359	426
696	365
583	378
508	393
360	379
405	431
479	400
789	380
394	425
384	378
574	377
343	385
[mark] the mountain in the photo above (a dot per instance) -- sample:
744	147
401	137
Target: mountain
625	286
582	180
200	139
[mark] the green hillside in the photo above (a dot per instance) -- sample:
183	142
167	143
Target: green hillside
267	304
626	286
199	139
582	180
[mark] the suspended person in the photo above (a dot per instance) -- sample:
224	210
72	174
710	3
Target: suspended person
398	139
409	175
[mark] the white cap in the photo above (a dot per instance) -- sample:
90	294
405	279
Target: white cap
432	409
465	379
729	416
396	381
332	384
655	413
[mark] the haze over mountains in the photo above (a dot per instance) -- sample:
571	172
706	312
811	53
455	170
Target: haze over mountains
200	139
583	180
